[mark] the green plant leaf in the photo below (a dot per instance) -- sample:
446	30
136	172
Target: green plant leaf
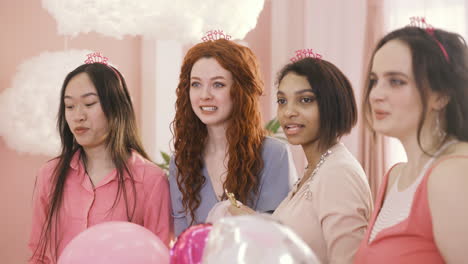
269	125
273	125
162	165
276	126
166	157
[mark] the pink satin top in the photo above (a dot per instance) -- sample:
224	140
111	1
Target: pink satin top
84	206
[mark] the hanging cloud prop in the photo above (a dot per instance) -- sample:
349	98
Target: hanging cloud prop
182	20
29	108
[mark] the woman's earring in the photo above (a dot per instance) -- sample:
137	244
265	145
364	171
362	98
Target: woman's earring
439	131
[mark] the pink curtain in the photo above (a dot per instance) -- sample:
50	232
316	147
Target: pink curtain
372	147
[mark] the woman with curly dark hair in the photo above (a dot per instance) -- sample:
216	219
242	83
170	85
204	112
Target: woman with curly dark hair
219	140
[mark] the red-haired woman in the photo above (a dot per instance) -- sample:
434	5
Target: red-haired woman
219	139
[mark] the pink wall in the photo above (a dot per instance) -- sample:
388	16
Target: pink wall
28	30
259	40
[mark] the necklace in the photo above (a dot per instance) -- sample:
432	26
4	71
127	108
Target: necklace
312	175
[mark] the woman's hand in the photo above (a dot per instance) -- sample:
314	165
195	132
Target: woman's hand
241	210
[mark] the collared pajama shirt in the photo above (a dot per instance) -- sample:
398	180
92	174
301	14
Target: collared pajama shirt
84	206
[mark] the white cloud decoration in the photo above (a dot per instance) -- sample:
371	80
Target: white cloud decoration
182	20
29	108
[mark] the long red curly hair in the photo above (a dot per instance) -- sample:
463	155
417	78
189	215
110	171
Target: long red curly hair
244	133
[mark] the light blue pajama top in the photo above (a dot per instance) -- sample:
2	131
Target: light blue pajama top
275	178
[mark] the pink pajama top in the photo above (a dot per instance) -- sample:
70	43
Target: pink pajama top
84	206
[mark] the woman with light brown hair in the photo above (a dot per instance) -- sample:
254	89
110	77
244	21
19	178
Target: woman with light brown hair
219	140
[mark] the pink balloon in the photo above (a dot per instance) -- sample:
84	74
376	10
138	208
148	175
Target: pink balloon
189	246
115	243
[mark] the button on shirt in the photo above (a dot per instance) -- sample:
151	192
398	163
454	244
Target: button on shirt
84	206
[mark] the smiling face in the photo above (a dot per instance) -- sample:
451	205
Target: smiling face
83	112
298	110
210	92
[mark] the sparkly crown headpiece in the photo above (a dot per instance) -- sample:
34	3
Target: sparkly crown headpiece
305	53
96	57
421	22
215	35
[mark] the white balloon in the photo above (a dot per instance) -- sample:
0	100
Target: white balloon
28	109
255	239
182	20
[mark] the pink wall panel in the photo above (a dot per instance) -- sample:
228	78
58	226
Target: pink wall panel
26	31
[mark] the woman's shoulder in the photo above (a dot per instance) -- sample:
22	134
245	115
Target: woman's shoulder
340	158
453	161
274	151
272	144
45	173
146	169
452	164
447	183
273	148
341	165
47	169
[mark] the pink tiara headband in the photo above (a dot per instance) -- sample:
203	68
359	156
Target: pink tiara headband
96	57
215	35
305	53
420	22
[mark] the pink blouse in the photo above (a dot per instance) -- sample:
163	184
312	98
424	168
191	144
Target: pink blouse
84	206
330	212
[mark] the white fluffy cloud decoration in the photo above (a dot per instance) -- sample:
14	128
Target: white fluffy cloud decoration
29	108
183	20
